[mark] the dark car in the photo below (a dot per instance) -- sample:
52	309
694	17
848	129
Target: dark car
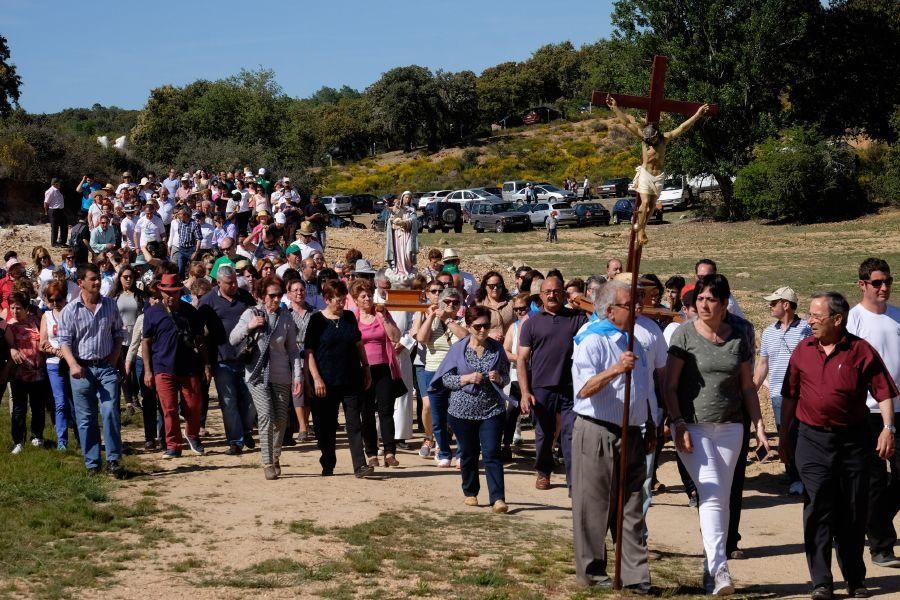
444	216
379	223
364	203
499	216
624	208
383	202
591	213
613	188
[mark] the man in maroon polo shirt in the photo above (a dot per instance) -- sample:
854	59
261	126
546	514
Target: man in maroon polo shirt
825	387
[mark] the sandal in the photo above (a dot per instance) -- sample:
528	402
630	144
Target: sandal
425	449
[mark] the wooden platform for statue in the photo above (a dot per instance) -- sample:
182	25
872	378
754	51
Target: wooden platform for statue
406	300
662	315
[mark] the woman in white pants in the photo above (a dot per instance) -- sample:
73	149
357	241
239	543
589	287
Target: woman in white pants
709	389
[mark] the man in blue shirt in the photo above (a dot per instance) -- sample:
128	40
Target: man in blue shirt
86	187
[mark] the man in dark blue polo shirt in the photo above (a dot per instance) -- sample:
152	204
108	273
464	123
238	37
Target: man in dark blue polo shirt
544	365
220	311
825	387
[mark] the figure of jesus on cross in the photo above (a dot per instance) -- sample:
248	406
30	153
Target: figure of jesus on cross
650	176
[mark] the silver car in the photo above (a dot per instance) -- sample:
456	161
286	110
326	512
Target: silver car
539	212
340	206
429	197
546	192
471	195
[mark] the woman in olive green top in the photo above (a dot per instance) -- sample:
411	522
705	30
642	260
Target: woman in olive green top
709	385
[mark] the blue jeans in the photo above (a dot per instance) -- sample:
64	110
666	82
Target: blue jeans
439	402
183	261
238	412
98	386
62	400
152	413
484	436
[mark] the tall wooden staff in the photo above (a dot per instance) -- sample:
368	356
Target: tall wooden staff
634	263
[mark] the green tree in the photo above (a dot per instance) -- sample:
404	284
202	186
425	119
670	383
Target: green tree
405	106
740	54
552	71
502	90
458	94
10	82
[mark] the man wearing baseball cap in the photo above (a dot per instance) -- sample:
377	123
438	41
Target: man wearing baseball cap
778	342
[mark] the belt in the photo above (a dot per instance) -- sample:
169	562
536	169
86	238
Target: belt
101	362
611	426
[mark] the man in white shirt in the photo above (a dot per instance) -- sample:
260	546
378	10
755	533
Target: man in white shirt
127	226
149	227
166	206
878	322
127	182
599	363
172	182
55	209
306	241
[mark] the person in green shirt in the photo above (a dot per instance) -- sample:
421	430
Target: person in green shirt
228	257
264	183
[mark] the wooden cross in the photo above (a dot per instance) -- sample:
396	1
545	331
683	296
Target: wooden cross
656	103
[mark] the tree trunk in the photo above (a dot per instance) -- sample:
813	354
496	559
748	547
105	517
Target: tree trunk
726	187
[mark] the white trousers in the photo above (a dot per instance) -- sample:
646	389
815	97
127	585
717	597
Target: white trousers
405	404
717	448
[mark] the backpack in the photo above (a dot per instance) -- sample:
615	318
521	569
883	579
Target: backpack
76	235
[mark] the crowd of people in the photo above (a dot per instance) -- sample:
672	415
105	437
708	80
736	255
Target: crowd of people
223	280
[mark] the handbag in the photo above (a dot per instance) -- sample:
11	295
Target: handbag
249	346
398	388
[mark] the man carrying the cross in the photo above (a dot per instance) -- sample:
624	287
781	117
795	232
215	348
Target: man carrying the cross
649	179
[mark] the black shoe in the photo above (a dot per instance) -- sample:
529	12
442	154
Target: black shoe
289	441
737	554
327	472
857	590
249	444
233	450
402	444
115	470
506	454
364	471
93	471
822	592
640	589
885	559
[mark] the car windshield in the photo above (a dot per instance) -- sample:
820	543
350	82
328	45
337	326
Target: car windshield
550	188
673	184
501	207
524	208
562	205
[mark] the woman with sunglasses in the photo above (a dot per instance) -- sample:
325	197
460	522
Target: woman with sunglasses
379	335
433	291
474	373
44	265
494	296
440	329
130	301
28	383
339	371
57	371
275	371
512	434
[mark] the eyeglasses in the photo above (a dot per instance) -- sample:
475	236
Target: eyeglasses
552	292
877	283
493	286
520	309
480	326
815	317
449	302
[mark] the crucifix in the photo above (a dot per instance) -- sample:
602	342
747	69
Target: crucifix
648	183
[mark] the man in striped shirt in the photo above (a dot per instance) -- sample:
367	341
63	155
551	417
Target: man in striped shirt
90	337
778	342
189	238
599	363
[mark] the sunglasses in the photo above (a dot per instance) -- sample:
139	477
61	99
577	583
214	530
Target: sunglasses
520	309
436	291
480	326
126	276
273	295
451	302
877	283
493	286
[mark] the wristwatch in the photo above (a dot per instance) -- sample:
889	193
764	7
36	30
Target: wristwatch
891	428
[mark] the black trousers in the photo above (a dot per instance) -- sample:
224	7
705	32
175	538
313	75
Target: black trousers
735	503
325	420
27	394
884	496
834	469
59	227
378	399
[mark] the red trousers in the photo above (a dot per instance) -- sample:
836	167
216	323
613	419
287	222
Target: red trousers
167	388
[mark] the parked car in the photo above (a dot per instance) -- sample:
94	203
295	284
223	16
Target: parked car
429	197
339	206
494	190
444	216
548	192
704	183
624	208
474	195
511	189
539	212
499	216
591	213
363	203
613	188
384	201
675	194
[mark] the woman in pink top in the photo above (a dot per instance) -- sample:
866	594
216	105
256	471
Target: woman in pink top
379	336
28	385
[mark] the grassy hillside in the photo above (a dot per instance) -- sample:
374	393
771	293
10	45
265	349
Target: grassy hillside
548	152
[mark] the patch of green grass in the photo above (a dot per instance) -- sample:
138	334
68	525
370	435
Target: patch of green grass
189	564
343	591
270	574
59	523
306	528
484	578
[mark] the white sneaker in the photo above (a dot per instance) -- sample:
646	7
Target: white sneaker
17	449
442	463
796	488
724	586
37	442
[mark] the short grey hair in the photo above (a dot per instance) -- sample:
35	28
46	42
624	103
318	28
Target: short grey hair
598	279
381	275
605	296
226	272
450	292
837	304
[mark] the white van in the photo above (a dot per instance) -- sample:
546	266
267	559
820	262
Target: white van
511	188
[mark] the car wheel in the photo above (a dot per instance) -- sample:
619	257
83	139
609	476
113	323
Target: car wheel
356	211
617	219
477	227
458	229
499	227
431	230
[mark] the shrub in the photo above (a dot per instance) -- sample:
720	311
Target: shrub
800	176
